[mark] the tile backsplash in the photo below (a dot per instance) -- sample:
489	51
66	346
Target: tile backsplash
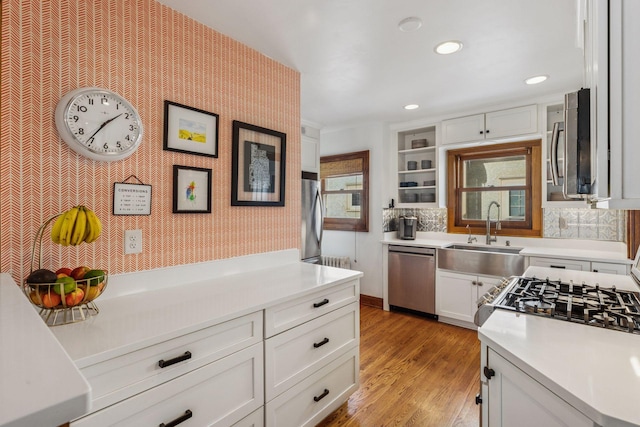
592	224
589	224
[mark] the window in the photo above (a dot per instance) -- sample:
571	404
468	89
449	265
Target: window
507	174
345	191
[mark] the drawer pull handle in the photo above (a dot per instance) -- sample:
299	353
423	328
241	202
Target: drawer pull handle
321	303
558	266
320	344
322	396
164	363
187	414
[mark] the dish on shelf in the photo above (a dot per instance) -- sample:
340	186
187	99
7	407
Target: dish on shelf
429	183
419	143
427	197
425	164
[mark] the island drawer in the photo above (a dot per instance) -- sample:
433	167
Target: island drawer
123	376
255	419
311	400
297	311
217	394
296	353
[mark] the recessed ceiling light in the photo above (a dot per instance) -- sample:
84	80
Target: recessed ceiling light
451	46
411	106
535	80
410	24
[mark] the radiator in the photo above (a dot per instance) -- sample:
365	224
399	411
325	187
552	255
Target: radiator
336	261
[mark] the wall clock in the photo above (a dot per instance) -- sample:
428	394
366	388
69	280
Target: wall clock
99	124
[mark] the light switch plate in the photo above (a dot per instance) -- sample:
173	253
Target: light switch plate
132	241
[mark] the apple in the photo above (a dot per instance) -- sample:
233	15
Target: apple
74	297
65	282
64	270
79	272
50	300
59	275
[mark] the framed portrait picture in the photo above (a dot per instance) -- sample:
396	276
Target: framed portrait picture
190	130
191	189
258	166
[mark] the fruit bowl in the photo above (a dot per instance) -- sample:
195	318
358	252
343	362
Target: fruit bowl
67	295
66	301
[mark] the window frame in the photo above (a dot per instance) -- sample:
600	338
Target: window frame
349	224
532	226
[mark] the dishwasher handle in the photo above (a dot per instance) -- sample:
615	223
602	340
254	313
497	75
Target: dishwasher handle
413	250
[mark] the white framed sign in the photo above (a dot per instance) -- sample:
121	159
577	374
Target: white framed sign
131	199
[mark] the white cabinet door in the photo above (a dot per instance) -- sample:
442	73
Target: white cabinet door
310	154
218	394
564	264
456	294
511	122
609	268
463	129
516	399
496	124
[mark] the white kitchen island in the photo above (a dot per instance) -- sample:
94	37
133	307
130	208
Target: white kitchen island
256	340
556	372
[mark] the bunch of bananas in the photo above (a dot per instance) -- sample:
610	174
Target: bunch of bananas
78	224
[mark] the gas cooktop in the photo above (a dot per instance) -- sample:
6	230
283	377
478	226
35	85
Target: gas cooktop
595	305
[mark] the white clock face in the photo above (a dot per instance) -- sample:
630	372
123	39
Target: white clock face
99	124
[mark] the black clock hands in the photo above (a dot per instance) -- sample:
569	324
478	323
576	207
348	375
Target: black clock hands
103	125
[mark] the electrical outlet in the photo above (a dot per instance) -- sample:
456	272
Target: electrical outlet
132	241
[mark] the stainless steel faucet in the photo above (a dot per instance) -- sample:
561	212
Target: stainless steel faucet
494	238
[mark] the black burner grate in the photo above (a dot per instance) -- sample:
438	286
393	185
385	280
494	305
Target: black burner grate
591	305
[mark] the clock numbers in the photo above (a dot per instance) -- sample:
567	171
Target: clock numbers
99	124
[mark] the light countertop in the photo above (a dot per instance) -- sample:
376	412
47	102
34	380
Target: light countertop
592	250
130	322
40	385
597	371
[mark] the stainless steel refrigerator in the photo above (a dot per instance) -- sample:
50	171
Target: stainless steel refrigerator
312	217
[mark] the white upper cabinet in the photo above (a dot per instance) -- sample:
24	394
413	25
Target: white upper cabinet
310	148
494	125
614	52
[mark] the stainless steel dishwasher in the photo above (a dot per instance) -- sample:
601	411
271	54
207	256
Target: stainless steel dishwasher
412	278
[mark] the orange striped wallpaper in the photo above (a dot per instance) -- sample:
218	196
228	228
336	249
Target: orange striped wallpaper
147	53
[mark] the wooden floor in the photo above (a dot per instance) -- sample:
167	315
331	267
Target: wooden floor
413	372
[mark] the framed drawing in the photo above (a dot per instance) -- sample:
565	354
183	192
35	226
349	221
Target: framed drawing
191	189
190	130
258	166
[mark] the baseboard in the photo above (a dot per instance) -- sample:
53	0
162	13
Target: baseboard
371	301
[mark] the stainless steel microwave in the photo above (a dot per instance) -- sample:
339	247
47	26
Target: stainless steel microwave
576	159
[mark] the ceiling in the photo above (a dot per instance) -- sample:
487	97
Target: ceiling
356	65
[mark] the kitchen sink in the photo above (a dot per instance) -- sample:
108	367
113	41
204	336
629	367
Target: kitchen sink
501	261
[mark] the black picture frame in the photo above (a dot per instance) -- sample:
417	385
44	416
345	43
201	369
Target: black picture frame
188	192
190	130
258	166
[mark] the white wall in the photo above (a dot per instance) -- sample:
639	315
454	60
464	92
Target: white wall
364	249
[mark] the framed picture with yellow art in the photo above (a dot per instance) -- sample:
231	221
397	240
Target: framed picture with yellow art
190	130
257	166
191	189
